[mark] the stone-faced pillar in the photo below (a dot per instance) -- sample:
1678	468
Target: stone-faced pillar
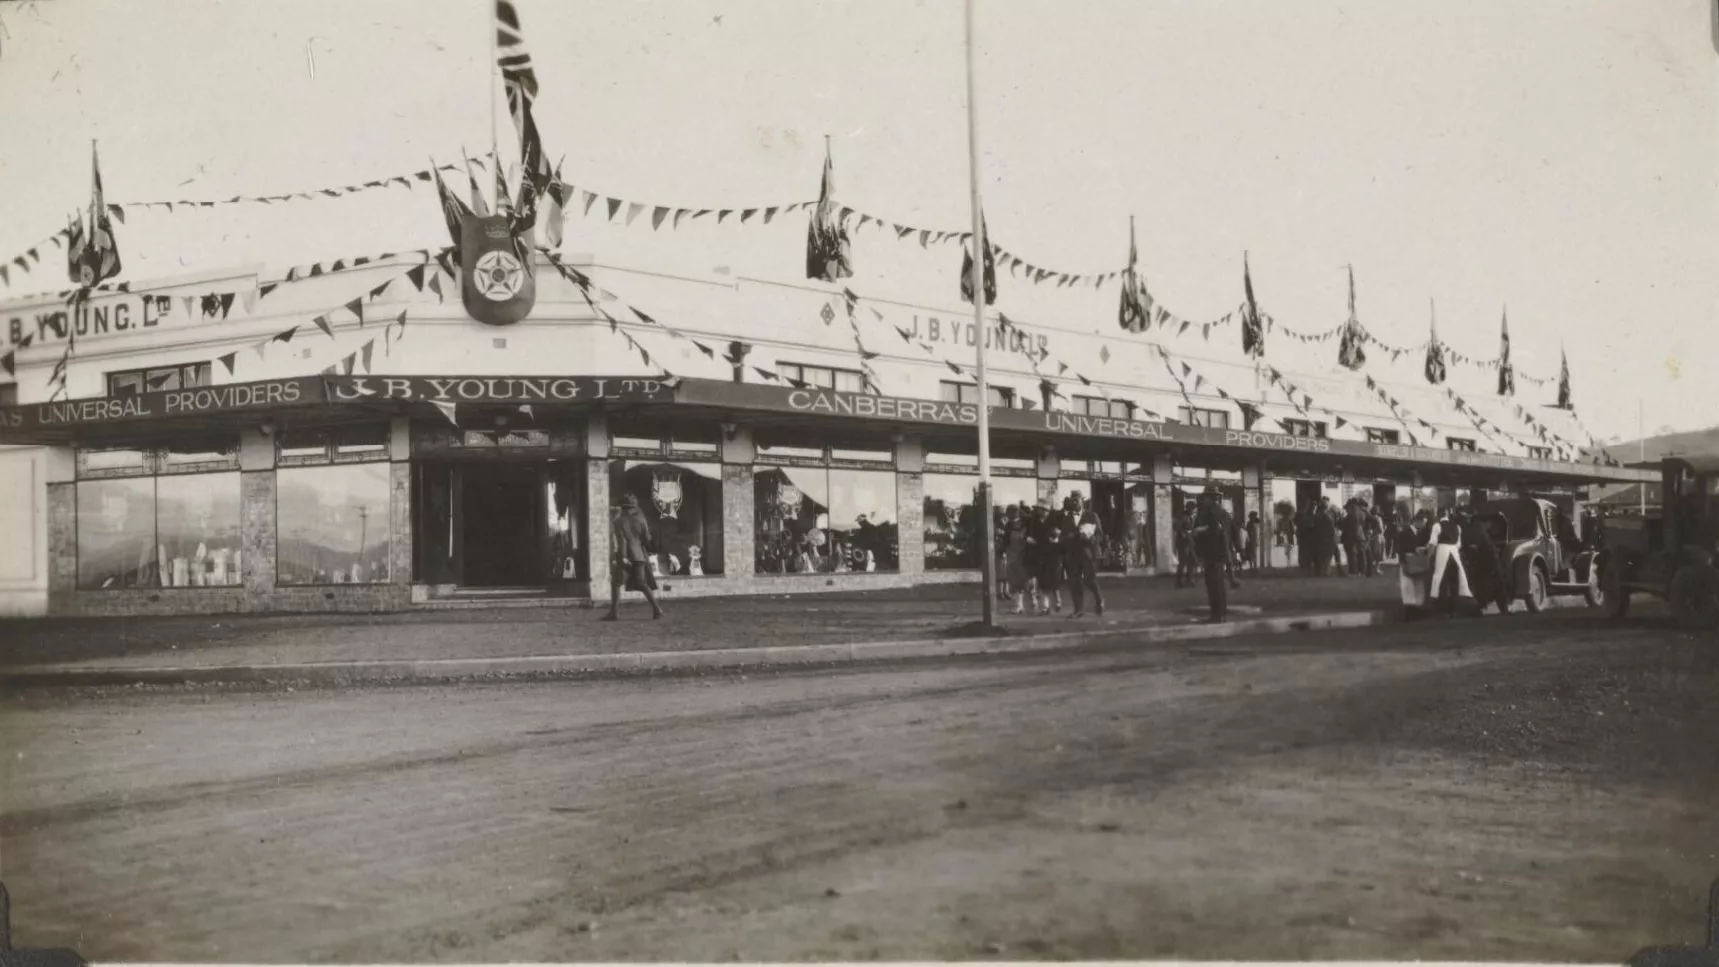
60	474
400	502
1050	472
597	501
739	551
910	505
258	534
1163	514
1253	502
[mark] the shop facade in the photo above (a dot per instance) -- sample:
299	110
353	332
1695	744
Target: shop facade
167	483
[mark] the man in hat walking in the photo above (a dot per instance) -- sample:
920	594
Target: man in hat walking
631	541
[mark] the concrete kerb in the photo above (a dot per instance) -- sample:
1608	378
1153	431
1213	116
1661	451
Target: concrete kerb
638	663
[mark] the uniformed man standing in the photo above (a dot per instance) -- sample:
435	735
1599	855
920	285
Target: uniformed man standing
1212	544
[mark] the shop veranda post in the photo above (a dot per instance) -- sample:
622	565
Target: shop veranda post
457	423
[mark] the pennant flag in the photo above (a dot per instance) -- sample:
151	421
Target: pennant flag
448	411
368	350
1564	381
416	277
1253	334
1350	352
828	252
286	335
633	211
657	217
1435	371
230	361
101	256
322	323
1250	415
989	270
590	199
356	307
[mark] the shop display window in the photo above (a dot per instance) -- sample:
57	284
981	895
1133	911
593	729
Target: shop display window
333	524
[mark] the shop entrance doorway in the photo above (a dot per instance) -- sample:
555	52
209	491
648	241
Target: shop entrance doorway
500	520
500	524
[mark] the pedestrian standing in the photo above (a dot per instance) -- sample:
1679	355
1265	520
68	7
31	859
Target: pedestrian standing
1307	530
1050	558
630	566
1324	537
1085	539
1015	556
1184	533
1351	526
1211	543
1252	544
1375	532
1232	541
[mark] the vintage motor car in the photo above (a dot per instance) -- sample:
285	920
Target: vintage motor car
1541	556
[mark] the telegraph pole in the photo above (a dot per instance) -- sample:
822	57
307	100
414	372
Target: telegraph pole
987	527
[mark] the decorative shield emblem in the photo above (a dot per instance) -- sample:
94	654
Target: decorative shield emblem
788	498
499	276
665	491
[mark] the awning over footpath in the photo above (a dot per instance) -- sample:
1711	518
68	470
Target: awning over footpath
317	399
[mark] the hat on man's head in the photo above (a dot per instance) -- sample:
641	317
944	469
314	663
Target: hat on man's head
630	501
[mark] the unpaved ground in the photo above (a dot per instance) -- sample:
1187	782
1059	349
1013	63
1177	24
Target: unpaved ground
1530	788
904	614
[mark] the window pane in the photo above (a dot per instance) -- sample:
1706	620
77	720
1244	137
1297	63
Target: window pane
1000	396
1010	463
770	451
334	524
636	443
303	444
862	531
790	514
113	459
197	374
696	437
949	392
954	459
125	384
682	502
161	380
197	528
848	382
870	456
371	438
820	377
951	541
116	534
191	452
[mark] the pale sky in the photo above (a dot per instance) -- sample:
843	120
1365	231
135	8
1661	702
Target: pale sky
1558	156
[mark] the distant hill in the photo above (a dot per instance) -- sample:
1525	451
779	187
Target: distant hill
1690	443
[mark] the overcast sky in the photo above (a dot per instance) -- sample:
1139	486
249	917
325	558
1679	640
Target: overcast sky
1558	156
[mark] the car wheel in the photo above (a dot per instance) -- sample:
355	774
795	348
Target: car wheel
1592	591
1695	597
1536	598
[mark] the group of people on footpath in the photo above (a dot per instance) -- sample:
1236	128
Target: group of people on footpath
1041	548
1352	540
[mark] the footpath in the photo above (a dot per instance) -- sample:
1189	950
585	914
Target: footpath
710	633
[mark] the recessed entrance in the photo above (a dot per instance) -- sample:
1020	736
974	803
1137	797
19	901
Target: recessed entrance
500	525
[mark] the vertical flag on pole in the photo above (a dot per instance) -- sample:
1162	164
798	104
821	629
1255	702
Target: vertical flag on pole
1435	352
1253	334
1506	374
1131	313
1350	351
828	256
102	257
1563	380
454	211
77	249
990	280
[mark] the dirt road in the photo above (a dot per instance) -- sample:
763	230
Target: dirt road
1524	789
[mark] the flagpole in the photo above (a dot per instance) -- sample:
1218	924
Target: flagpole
987	527
494	69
